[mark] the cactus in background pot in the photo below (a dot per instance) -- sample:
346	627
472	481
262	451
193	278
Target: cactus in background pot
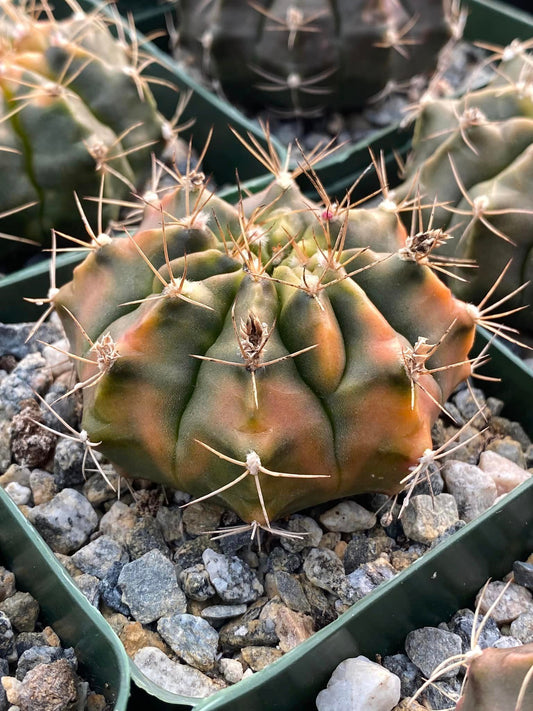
262	353
76	115
474	157
301	57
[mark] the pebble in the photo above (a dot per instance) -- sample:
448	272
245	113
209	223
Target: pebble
29	375
190	552
425	517
513	602
89	585
510	449
145	536
173	676
290	590
324	569
7	583
7	637
523	574
43	486
22	610
258	658
309	530
254	633
427	647
69	459
43	655
231	669
291	627
196	584
358	684
473	489
506	641
97	490
170	523
118	522
231	577
201	517
522	627
408	673
99	556
192	639
348	517
469	402
506	474
66	521
462	624
150	588
49	687
507	428
19	494
134	637
17	473
220	613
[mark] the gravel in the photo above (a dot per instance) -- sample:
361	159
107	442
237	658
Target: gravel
36	672
199	613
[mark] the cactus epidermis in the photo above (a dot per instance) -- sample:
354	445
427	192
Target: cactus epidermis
263	352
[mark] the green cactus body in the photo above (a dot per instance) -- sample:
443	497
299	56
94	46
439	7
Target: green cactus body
299	57
267	363
497	679
474	156
75	110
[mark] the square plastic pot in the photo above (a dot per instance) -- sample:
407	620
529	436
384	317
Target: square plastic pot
440	582
101	656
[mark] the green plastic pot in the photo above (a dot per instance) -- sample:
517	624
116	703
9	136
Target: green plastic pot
488	21
101	656
442	581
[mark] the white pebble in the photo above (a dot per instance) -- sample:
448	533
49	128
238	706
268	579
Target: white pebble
18	493
358	684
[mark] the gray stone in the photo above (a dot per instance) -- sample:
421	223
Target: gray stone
280	559
172	676
291	591
360	549
510	449
118	522
201	517
347	517
462	624
473	489
258	658
146	536
43	655
233	580
523	574
470	402
506	641
66	521
22	610
406	671
89	585
192	638
109	592
425	518
522	627
215	614
14	338
196	583
190	553
98	556
429	646
513	601
506	428
324	569
308	530
150	588
68	408
472	444
231	669
169	520
69	459
97	488
28	376
357	684
7	637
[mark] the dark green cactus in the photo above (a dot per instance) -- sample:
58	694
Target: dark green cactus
474	156
263	352
301	57
499	680
76	114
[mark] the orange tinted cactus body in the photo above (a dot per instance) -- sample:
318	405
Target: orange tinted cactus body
276	372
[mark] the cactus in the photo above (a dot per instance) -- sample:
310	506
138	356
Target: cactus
474	157
262	353
77	115
499	680
301	57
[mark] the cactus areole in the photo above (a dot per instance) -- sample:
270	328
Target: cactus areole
299	56
274	355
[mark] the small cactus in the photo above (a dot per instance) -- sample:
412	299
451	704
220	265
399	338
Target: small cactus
300	57
499	680
473	158
263	353
76	114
